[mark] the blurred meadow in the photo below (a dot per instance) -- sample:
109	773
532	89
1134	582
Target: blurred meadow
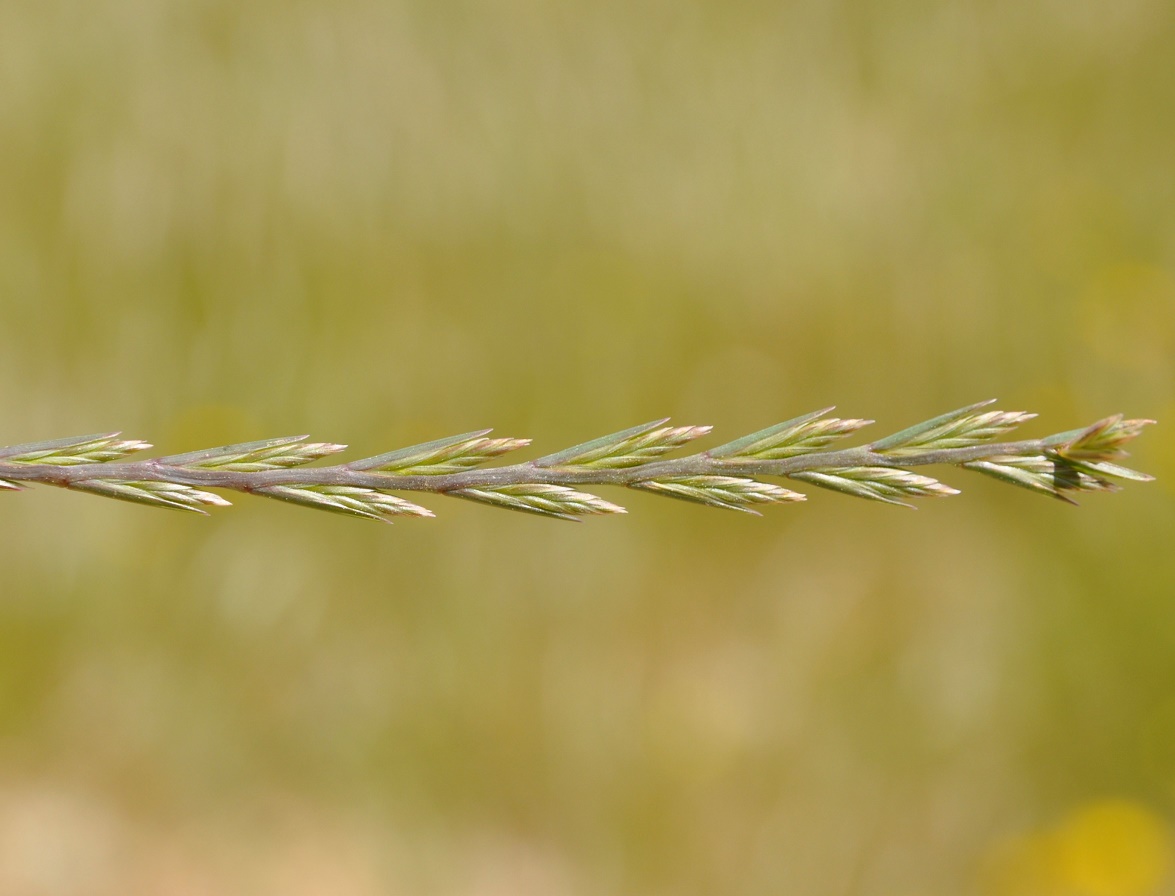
385	221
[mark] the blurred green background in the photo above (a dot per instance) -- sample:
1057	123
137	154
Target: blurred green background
384	221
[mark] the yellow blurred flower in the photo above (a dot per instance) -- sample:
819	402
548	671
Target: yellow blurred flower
1112	848
1103	848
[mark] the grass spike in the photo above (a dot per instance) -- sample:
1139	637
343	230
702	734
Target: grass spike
729	477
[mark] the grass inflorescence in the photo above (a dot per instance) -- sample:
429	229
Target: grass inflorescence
802	450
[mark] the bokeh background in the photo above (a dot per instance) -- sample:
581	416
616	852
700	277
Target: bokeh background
384	221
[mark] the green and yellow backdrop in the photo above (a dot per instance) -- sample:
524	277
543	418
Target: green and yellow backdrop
385	221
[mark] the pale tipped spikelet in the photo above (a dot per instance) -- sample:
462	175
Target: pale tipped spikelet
1055	475
253	457
364	502
1102	441
556	501
444	456
173	495
97	449
803	435
729	477
628	448
884	484
730	492
959	429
